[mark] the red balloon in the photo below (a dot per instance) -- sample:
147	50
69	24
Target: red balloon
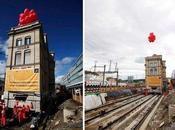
27	17
21	15
22	21
151	37
25	20
30	18
32	11
26	11
151	33
34	16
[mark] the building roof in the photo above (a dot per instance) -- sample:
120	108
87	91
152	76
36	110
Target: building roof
21	29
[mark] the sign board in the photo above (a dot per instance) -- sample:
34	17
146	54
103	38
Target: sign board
153	81
25	80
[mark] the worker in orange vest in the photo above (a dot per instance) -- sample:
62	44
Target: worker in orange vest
15	110
20	115
3	116
24	112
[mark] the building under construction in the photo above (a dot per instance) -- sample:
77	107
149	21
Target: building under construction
30	67
155	73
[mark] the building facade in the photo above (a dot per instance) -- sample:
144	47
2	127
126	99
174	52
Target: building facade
155	72
30	67
73	80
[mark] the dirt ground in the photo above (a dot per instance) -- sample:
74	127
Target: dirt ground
57	122
160	121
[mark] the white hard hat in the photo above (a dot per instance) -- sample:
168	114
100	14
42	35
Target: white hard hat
2	97
32	126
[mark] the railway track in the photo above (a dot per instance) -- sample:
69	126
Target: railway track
138	121
135	118
111	103
111	107
128	117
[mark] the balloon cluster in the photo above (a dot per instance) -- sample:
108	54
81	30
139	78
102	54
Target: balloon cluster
28	16
151	37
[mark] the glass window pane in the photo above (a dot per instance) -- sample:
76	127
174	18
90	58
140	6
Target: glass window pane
18	59
27	41
151	71
156	71
27	57
18	42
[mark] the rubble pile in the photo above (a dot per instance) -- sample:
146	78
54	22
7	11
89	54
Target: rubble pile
163	119
73	122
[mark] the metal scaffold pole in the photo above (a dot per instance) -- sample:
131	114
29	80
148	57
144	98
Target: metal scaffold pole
116	69
117	78
104	74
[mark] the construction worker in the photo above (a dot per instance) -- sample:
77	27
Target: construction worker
15	110
3	116
20	115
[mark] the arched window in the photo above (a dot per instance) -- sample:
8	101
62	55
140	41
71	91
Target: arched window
27	57
17	58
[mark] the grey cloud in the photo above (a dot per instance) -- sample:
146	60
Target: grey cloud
115	29
140	60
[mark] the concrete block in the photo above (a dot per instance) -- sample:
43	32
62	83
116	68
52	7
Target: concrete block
68	113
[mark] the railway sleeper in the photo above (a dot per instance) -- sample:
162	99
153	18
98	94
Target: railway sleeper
102	112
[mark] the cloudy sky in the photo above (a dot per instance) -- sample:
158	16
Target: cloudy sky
117	30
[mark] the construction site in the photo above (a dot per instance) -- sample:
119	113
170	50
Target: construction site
133	104
30	98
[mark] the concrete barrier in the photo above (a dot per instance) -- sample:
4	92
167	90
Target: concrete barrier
93	101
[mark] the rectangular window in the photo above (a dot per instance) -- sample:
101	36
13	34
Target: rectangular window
17	58
18	42
155	64
27	57
27	40
155	71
